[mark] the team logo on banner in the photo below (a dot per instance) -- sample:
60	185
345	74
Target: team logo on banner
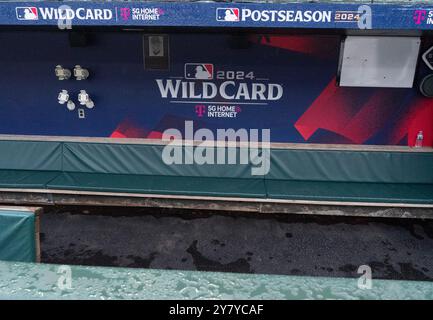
198	71
227	14
27	13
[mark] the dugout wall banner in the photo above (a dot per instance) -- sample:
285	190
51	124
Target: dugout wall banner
283	82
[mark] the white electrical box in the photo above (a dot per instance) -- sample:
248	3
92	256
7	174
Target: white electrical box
375	61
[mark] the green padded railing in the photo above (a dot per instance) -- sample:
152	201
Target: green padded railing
18	238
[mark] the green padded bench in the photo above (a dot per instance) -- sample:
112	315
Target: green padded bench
166	185
29	164
140	169
309	175
354	176
26	179
351	191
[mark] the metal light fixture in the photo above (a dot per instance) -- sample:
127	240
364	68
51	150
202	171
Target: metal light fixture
84	99
81	73
62	73
63	97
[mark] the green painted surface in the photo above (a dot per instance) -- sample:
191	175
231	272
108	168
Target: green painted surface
39	281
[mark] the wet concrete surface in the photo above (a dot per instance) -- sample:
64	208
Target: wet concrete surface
233	242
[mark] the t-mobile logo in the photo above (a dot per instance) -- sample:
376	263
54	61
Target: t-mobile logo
419	16
200	110
125	13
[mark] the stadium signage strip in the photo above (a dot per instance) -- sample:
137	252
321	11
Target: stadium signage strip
289	15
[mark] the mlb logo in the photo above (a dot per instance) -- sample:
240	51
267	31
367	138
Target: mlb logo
227	14
27	13
199	71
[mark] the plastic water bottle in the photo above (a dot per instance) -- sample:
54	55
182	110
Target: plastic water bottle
419	138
